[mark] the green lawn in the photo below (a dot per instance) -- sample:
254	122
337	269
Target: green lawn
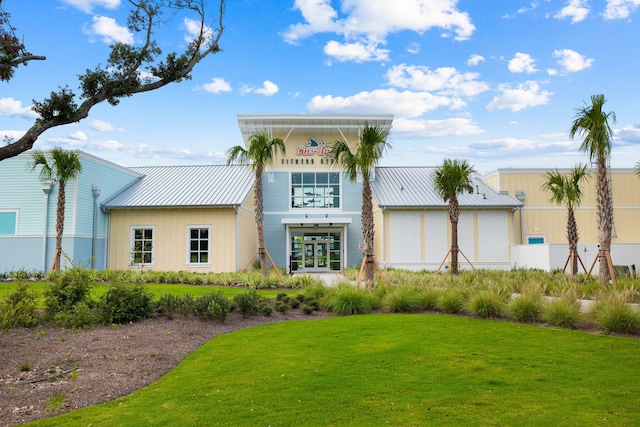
394	369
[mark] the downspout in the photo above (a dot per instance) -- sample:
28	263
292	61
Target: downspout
107	237
46	189
235	208
94	235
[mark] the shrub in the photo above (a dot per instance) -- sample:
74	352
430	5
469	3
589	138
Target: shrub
72	287
123	303
527	307
428	298
401	299
281	307
315	291
486	303
19	308
613	314
345	299
79	316
168	304
452	300
219	307
563	312
307	309
248	303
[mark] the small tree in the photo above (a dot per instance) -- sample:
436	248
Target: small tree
372	143
13	52
565	190
451	178
61	167
259	156
128	71
592	123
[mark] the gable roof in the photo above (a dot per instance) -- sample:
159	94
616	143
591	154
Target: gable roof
414	187
185	186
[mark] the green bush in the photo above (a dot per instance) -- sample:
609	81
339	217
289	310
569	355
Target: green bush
168	304
248	303
487	304
401	299
563	312
452	300
123	303
345	299
428	298
613	314
219	308
315	291
526	307
81	315
70	288
281	307
19	308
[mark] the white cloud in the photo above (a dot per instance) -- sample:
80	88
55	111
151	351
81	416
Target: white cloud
413	48
87	6
517	98
436	128
193	30
389	101
522	63
109	30
366	23
534	5
12	107
575	9
446	80
268	88
620	9
357	52
78	136
217	85
571	61
11	135
103	126
475	59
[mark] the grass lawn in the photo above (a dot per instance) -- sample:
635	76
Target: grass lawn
394	369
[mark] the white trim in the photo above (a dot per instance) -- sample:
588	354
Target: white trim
188	254
303	220
153	246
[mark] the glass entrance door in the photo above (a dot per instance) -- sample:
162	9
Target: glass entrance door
315	251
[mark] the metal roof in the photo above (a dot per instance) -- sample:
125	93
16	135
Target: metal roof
179	186
414	187
308	124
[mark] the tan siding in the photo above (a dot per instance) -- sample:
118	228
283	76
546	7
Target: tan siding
550	220
170	237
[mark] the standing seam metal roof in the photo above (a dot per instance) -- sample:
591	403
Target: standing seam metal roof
193	186
414	187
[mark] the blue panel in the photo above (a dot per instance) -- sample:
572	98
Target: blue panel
7	223
21	253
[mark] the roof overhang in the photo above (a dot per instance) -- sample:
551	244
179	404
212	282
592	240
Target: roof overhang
304	220
308	124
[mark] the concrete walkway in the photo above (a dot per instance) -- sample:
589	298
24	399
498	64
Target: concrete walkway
329	279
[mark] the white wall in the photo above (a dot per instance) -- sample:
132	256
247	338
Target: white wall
550	257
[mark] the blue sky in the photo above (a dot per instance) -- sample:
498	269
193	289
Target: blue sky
496	82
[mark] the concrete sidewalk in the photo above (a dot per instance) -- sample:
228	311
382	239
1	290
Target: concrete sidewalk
329	279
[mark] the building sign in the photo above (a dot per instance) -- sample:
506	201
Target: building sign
313	148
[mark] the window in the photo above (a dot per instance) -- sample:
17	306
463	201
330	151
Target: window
142	246
198	245
8	221
315	190
536	240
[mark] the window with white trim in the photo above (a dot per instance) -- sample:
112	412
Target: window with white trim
8	221
315	190
198	244
142	245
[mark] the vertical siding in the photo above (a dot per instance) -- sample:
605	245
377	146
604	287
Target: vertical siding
540	216
170	238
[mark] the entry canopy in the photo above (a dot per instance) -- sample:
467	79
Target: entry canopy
308	124
325	220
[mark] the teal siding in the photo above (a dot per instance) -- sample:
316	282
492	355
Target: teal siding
276	194
21	191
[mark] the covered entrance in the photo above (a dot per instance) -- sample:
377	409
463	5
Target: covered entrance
315	250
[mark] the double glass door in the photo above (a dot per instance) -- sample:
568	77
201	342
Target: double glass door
315	251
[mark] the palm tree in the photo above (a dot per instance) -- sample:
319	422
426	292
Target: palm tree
565	190
62	166
592	123
451	178
259	156
372	142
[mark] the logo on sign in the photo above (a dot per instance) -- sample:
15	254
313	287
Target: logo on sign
313	148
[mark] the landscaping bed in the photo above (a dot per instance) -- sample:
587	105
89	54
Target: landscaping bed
52	370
